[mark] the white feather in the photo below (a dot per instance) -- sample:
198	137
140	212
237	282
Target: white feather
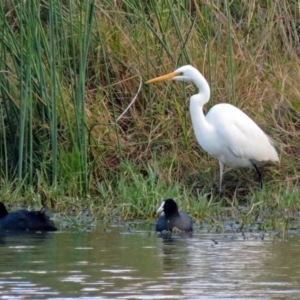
225	132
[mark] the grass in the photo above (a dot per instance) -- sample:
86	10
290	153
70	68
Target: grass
69	69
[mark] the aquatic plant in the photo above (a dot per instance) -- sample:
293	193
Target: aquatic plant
69	70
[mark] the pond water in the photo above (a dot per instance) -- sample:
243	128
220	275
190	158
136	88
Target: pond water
113	262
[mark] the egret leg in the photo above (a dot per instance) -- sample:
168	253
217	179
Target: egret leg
260	183
220	176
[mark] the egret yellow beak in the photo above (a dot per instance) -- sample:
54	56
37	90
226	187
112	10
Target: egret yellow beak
164	77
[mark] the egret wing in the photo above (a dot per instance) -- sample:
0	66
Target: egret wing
240	134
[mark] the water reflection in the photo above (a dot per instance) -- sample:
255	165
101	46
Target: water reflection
23	254
175	255
115	263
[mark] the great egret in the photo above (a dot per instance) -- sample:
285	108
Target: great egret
226	132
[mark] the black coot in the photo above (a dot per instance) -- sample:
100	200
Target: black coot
173	218
25	220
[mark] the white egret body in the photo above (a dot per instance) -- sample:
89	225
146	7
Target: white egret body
226	132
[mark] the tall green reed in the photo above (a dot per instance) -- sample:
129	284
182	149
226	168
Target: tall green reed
230	52
41	43
63	70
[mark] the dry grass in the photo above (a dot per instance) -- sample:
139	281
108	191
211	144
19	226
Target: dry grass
266	73
256	43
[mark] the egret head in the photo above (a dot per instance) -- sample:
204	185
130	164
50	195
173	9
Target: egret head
184	73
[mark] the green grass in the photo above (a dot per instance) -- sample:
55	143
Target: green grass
69	69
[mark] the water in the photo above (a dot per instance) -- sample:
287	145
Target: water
114	263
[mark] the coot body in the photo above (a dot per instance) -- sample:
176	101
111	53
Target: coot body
173	218
25	220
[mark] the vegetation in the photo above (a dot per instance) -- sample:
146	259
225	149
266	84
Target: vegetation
69	69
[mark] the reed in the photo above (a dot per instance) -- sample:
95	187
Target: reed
44	87
69	70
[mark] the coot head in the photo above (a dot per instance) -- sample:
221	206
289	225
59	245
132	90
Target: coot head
169	207
173	218
3	210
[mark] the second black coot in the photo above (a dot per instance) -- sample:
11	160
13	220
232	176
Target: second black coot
173	218
25	220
